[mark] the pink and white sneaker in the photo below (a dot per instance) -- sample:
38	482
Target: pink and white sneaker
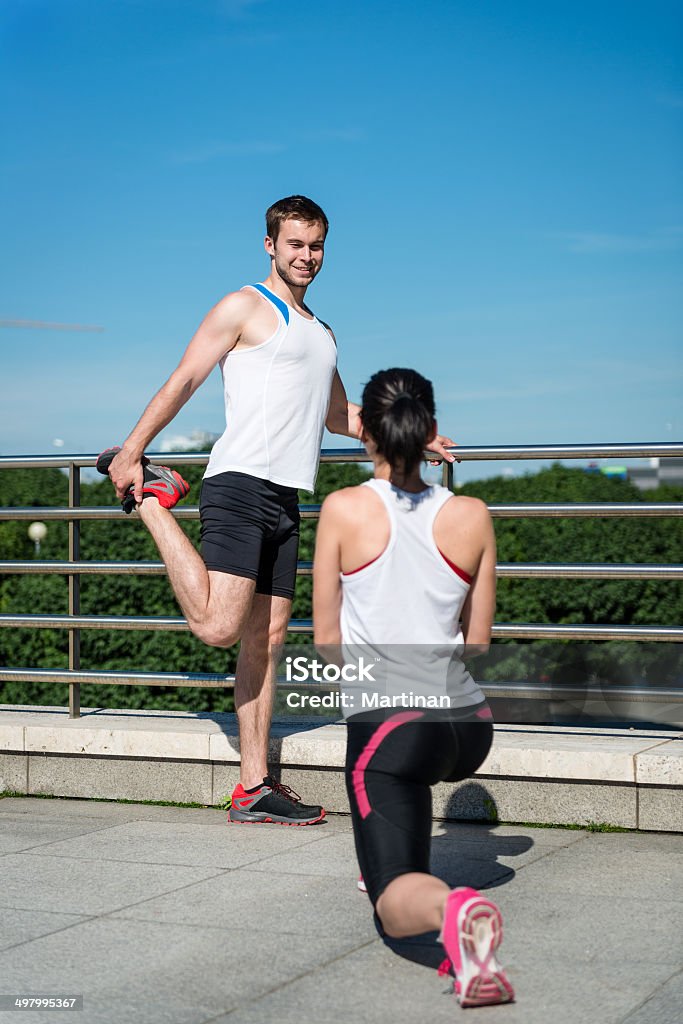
472	931
362	887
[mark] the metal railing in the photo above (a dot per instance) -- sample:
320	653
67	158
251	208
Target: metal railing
74	514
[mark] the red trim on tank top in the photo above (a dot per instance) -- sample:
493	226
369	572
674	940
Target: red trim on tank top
456	568
351	573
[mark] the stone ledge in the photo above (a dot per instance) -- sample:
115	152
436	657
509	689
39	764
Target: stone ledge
553	774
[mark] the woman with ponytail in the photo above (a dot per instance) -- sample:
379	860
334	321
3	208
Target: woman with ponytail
407	572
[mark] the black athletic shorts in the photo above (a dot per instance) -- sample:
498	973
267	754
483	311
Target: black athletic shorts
250	527
390	769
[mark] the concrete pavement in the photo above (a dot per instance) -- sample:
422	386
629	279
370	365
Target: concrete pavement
166	914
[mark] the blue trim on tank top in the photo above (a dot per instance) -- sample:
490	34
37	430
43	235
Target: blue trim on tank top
282	306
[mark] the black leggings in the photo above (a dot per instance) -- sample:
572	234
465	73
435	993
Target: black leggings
390	769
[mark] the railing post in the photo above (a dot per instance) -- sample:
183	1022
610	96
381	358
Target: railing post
74	589
447	475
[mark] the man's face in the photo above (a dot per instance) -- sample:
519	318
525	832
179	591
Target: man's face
298	251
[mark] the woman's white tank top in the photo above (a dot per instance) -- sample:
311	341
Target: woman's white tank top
277	395
406	604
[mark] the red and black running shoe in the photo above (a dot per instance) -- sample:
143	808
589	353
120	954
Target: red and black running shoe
272	802
160	482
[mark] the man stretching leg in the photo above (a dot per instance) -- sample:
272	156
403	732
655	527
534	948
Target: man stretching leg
281	386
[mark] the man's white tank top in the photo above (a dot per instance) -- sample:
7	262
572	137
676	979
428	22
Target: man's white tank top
406	604
277	395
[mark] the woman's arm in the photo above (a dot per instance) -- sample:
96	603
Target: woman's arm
480	605
327	587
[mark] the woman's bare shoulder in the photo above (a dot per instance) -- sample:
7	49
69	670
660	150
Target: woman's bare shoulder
465	507
350	501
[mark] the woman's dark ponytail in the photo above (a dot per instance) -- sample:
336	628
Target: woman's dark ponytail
398	413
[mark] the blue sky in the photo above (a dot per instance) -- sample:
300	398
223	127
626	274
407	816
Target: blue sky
504	183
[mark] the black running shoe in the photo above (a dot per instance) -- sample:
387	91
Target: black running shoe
272	802
160	482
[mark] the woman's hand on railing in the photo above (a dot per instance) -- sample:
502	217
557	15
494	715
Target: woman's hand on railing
439	445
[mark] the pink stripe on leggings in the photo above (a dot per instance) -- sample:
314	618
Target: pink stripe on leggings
380	734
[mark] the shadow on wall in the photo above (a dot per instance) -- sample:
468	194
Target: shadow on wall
464	853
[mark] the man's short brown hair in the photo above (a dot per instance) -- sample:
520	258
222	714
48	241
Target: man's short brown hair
296	207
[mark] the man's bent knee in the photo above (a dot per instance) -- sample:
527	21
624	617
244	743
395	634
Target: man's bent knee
215	634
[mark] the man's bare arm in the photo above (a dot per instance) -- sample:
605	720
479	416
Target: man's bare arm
217	334
343	417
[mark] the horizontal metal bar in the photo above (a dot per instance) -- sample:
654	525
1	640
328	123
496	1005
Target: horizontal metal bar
587	571
104	512
48	675
514	691
640	450
304	627
88	461
504	453
504	570
559	692
593	511
127	622
110	512
543	631
519	511
39	567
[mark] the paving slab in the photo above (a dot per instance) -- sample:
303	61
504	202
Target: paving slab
371	985
56	807
606	869
376	986
16	833
58	884
638	842
147	971
162	842
331	855
572	925
168	916
295	904
665	1006
448	853
23	925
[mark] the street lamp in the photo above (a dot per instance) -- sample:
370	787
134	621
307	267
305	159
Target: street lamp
37	532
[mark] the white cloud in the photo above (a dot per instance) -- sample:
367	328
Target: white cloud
197	438
212	150
603	242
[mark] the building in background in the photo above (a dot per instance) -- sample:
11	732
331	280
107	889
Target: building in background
660	471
